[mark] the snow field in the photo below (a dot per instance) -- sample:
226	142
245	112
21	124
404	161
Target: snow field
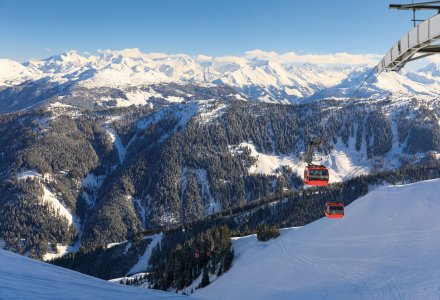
386	247
25	278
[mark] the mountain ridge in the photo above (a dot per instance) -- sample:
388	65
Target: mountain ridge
257	75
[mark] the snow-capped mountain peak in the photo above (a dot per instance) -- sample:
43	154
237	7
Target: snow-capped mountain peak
433	69
13	73
259	75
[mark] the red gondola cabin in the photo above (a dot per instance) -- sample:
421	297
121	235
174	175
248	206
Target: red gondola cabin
316	175
334	210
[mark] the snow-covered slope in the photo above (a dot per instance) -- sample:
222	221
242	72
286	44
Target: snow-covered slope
13	73
386	247
265	76
343	162
142	263
132	67
24	278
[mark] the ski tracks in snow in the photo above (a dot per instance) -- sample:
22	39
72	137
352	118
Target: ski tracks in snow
363	284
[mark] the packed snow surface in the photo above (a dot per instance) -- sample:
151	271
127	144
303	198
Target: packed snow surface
386	247
25	278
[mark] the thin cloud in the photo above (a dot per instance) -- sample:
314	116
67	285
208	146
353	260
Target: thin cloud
341	58
335	58
433	59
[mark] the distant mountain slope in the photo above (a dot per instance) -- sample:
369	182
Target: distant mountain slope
386	247
25	278
130	77
13	73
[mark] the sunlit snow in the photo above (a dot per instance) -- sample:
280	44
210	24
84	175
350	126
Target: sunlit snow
386	247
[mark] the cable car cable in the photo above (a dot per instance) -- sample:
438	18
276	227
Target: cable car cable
369	84
360	85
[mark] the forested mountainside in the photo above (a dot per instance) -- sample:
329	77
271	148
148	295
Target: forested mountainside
94	177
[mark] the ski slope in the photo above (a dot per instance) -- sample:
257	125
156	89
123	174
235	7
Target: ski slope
25	278
387	247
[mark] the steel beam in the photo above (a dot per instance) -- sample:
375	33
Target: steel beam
420	39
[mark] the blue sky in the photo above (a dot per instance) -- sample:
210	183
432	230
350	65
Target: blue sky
38	29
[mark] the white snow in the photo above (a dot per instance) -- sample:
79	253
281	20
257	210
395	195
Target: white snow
55	203
133	98
60	105
48	196
386	247
140	209
345	162
127	247
210	110
266	163
92	181
342	162
194	285
51	199
25	278
133	277
182	113
175	99
33	174
142	263
90	184
114	137
61	251
139	96
14	73
293	75
118	144
28	174
110	245
212	206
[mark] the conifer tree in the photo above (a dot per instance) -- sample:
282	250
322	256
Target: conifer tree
205	278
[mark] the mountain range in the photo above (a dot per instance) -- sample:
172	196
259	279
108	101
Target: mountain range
255	76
